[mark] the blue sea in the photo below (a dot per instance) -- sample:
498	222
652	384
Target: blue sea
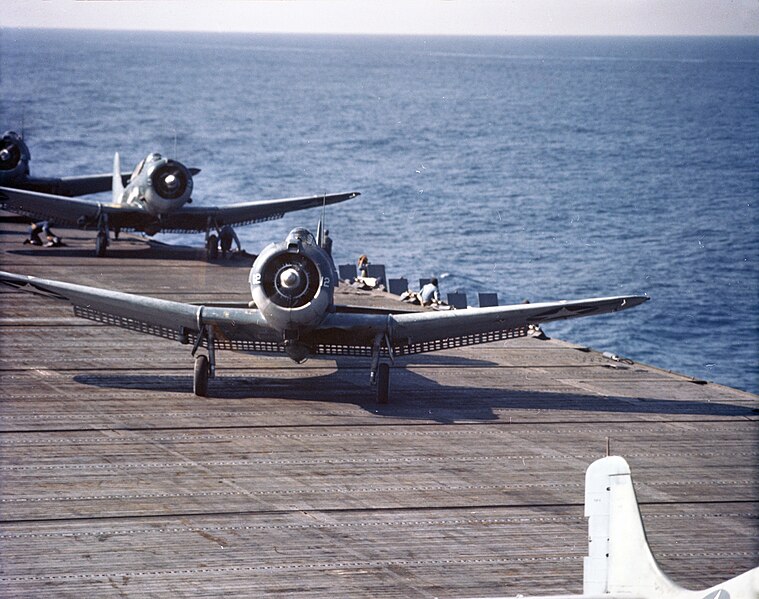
540	168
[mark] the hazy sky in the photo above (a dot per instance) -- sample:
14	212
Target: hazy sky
460	17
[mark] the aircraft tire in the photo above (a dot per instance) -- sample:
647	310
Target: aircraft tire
212	247
200	378
383	383
101	243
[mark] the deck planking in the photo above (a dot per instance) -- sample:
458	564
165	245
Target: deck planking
291	480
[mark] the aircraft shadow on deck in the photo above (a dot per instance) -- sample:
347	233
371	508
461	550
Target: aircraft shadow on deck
412	395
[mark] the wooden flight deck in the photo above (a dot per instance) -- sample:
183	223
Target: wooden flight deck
291	480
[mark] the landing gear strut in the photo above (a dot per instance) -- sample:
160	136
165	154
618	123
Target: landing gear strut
380	374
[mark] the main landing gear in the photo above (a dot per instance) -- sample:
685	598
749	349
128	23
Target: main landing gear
101	241
205	366
212	247
212	240
200	378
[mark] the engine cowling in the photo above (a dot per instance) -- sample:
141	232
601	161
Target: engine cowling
14	157
293	286
169	186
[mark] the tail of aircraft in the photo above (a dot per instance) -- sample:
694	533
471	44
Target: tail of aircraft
118	184
619	561
320	226
323	240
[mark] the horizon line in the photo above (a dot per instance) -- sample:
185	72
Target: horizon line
383	34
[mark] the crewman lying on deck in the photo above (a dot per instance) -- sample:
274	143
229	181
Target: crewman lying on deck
226	236
428	296
42	227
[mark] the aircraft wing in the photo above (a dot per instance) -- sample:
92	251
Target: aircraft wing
353	333
68	211
73	212
195	218
72	186
340	333
60	209
424	327
163	318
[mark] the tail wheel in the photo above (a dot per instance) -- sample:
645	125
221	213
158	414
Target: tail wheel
101	242
200	378
212	247
383	383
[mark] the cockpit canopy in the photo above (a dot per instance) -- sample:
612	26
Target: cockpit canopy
153	157
300	235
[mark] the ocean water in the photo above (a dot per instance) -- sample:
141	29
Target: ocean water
540	168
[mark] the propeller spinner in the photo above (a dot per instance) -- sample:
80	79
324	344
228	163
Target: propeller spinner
170	180
291	280
10	154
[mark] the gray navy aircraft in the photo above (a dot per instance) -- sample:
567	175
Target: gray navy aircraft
14	172
293	313
620	564
156	198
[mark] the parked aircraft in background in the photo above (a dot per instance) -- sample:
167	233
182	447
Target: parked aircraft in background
293	312
620	564
14	172
155	198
